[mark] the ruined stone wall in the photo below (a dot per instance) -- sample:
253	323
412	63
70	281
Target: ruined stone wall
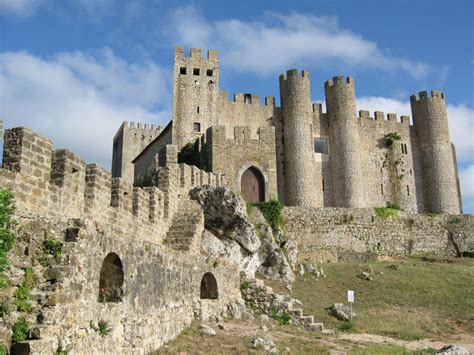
333	234
56	192
129	141
233	157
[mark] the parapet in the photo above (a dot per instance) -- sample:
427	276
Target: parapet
195	53
142	126
318	107
423	95
338	80
380	116
293	73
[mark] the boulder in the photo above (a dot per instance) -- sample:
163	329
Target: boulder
342	312
290	248
225	214
265	344
206	330
452	350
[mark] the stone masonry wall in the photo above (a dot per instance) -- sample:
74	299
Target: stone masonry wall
332	234
56	192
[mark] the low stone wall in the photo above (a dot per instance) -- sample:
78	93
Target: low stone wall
160	294
334	234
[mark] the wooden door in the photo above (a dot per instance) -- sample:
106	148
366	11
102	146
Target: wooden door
253	186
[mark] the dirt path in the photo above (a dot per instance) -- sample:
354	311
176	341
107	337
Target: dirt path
465	340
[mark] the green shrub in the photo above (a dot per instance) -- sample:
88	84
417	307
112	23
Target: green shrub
20	330
347	326
22	293
245	285
283	318
271	210
384	212
51	246
393	205
103	328
391	137
146	179
7	234
5	307
3	349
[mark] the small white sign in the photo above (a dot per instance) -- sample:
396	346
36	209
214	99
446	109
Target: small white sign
350	296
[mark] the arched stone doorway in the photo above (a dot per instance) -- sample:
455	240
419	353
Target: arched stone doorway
252	185
209	287
111	279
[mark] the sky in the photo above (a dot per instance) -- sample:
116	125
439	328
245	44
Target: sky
73	70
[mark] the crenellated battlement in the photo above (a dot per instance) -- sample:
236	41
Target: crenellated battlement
423	95
339	80
382	117
293	73
248	99
59	183
141	126
195	54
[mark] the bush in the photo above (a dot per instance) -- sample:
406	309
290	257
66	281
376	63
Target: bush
391	137
283	318
146	179
3	349
7	234
271	210
384	212
103	328
191	155
51	246
347	326
22	293
20	330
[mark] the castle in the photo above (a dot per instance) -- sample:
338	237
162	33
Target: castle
149	260
296	152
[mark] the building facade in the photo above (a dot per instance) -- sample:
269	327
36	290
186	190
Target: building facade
298	153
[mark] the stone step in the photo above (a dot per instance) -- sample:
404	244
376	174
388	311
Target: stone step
298	313
306	319
317	327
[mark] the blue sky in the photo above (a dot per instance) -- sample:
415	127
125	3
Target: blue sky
73	70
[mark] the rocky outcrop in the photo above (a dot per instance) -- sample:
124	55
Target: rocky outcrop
247	242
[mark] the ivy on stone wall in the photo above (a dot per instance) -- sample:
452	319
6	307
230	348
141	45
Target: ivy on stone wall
391	137
271	210
191	155
7	225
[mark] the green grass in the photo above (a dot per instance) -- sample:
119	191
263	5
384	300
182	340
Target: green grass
22	293
385	212
379	349
423	299
20	330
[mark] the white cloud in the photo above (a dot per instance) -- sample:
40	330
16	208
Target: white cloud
278	41
461	127
79	100
20	8
466	177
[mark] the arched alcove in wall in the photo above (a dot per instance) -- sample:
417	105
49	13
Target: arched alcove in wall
111	279
209	287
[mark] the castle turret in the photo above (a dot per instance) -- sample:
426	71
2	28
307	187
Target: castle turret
439	171
344	138
300	187
195	95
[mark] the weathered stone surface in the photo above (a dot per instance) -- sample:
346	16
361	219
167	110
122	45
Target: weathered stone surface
225	214
206	330
342	312
452	350
265	344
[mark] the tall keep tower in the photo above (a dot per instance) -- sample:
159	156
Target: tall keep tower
195	94
300	187
440	183
344	136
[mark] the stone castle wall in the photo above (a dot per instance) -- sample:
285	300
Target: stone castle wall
94	214
337	234
233	156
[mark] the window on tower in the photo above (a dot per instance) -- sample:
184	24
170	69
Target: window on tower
321	145
247	98
197	127
182	70
196	71
209	72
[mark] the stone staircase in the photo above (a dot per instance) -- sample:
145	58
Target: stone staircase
48	292
264	298
186	226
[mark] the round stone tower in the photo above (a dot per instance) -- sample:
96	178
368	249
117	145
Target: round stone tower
298	156
344	138
440	185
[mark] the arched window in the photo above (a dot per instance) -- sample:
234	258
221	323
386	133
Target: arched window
111	279
209	287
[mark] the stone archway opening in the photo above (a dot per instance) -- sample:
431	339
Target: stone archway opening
111	279
209	287
252	185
